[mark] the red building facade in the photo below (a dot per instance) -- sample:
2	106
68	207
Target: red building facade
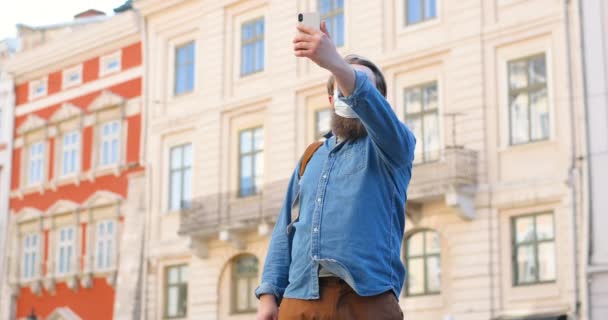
77	149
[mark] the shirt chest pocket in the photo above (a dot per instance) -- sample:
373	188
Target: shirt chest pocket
351	160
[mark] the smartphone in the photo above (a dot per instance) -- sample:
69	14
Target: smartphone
310	19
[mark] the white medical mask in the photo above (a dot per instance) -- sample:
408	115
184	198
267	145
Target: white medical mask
342	108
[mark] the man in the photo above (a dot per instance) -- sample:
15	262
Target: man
340	258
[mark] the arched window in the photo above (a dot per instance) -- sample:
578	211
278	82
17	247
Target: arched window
423	263
244	282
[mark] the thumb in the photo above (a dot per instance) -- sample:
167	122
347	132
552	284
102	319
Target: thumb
324	29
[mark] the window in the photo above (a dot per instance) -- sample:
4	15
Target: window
109	64
528	105
332	11
180	177
104	248
110	136
176	291
184	68
70	155
38	88
252	46
423	263
30	256
245	279
417	11
322	122
533	249
422	117
72	76
251	164
36	163
65	250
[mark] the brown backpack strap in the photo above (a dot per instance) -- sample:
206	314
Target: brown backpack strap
310	150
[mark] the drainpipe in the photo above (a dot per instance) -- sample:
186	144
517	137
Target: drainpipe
143	27
587	159
573	170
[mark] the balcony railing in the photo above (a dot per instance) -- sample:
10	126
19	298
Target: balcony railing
452	177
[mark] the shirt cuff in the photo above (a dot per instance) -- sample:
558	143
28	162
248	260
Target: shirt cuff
267	288
361	86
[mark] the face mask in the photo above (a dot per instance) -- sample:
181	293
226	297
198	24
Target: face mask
342	108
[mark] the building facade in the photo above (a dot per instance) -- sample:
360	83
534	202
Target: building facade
492	89
8	47
76	190
594	32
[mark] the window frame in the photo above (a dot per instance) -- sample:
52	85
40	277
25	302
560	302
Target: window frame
110	242
103	69
184	203
234	283
252	41
180	285
32	94
251	153
76	148
420	115
176	67
103	138
333	14
33	251
318	133
41	158
535	243
66	83
65	244
424	257
527	90
423	19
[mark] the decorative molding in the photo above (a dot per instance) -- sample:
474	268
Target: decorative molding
36	287
62	206
264	229
65	112
102	198
72	282
28	214
49	284
32	123
105	100
198	247
232	238
86	280
111	279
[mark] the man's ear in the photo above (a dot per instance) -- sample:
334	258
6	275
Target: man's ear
331	100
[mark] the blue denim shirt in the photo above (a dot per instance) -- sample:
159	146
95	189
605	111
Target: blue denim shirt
351	209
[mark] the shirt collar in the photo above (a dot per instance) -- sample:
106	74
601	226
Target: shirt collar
328	135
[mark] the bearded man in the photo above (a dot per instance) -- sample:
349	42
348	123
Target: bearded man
339	258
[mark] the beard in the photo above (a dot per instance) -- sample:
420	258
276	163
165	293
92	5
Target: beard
347	128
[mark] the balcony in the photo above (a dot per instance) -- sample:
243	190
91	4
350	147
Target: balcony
226	216
452	178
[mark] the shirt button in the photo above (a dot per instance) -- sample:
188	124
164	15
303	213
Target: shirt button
319	200
315	229
324	176
315	257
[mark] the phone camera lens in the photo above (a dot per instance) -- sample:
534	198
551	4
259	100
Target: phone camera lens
300	17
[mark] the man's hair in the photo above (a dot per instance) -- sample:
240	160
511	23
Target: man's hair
355	59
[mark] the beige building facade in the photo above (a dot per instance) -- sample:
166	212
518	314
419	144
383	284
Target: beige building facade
492	90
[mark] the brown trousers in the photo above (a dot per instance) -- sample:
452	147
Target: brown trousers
338	301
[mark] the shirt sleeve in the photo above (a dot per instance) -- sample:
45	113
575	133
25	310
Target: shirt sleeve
278	259
391	137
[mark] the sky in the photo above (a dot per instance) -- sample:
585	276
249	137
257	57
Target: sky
43	12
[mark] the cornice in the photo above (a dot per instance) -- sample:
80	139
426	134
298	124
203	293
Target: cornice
75	43
150	7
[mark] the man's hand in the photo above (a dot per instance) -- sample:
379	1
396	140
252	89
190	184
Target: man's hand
267	309
318	47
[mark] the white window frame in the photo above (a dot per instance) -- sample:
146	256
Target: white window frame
185	202
109	138
103	62
67	73
104	261
251	41
33	85
69	245
30	255
38	157
69	148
